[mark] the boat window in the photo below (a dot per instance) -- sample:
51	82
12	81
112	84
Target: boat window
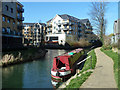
60	65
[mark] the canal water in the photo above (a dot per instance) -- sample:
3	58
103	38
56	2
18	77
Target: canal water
35	74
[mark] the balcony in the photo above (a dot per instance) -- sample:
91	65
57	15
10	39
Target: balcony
59	24
70	29
65	22
49	25
20	18
79	30
71	23
89	27
79	25
88	32
65	29
20	10
19	27
59	29
49	30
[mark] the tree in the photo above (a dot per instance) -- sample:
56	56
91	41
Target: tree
97	14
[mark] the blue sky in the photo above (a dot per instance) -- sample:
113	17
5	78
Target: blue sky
44	11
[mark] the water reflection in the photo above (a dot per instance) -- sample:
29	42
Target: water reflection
34	74
12	77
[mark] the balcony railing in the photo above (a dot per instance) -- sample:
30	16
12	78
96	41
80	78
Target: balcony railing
88	32
49	25
59	24
65	29
20	10
20	18
65	22
71	23
59	29
49	30
70	28
79	25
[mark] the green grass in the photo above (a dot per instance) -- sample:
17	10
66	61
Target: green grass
78	81
114	57
87	64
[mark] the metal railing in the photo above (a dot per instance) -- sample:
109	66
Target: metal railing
85	60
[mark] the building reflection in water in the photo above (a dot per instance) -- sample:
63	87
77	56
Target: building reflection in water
35	74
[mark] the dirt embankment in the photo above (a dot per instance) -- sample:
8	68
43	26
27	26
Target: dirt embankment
15	57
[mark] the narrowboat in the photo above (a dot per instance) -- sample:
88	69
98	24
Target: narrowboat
65	65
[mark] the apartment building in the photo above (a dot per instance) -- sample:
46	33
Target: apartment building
12	17
39	33
63	28
34	34
116	31
28	34
88	34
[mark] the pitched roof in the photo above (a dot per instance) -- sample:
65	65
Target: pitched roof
49	20
66	16
84	20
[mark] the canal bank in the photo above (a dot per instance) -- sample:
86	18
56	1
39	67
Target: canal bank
21	56
34	74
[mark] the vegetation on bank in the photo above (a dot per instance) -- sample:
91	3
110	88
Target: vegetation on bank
114	57
13	57
80	43
84	73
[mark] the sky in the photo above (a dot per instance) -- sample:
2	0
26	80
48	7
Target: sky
43	11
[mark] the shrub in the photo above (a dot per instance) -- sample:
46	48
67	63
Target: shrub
80	43
109	47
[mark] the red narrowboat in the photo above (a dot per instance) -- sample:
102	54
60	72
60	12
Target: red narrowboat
65	65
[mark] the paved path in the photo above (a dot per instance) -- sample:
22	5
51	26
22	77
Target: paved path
103	75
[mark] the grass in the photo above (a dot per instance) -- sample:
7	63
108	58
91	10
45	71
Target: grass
78	81
87	64
114	57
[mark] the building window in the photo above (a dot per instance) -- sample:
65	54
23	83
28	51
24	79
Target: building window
3	18
8	20
65	26
11	10
3	30
18	15
58	20
13	22
18	22
8	30
69	32
6	7
14	32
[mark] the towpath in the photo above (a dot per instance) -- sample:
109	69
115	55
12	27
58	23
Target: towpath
103	75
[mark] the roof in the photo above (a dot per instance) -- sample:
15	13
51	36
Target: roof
84	20
30	24
66	16
49	20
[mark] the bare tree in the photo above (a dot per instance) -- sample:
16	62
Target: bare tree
97	14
